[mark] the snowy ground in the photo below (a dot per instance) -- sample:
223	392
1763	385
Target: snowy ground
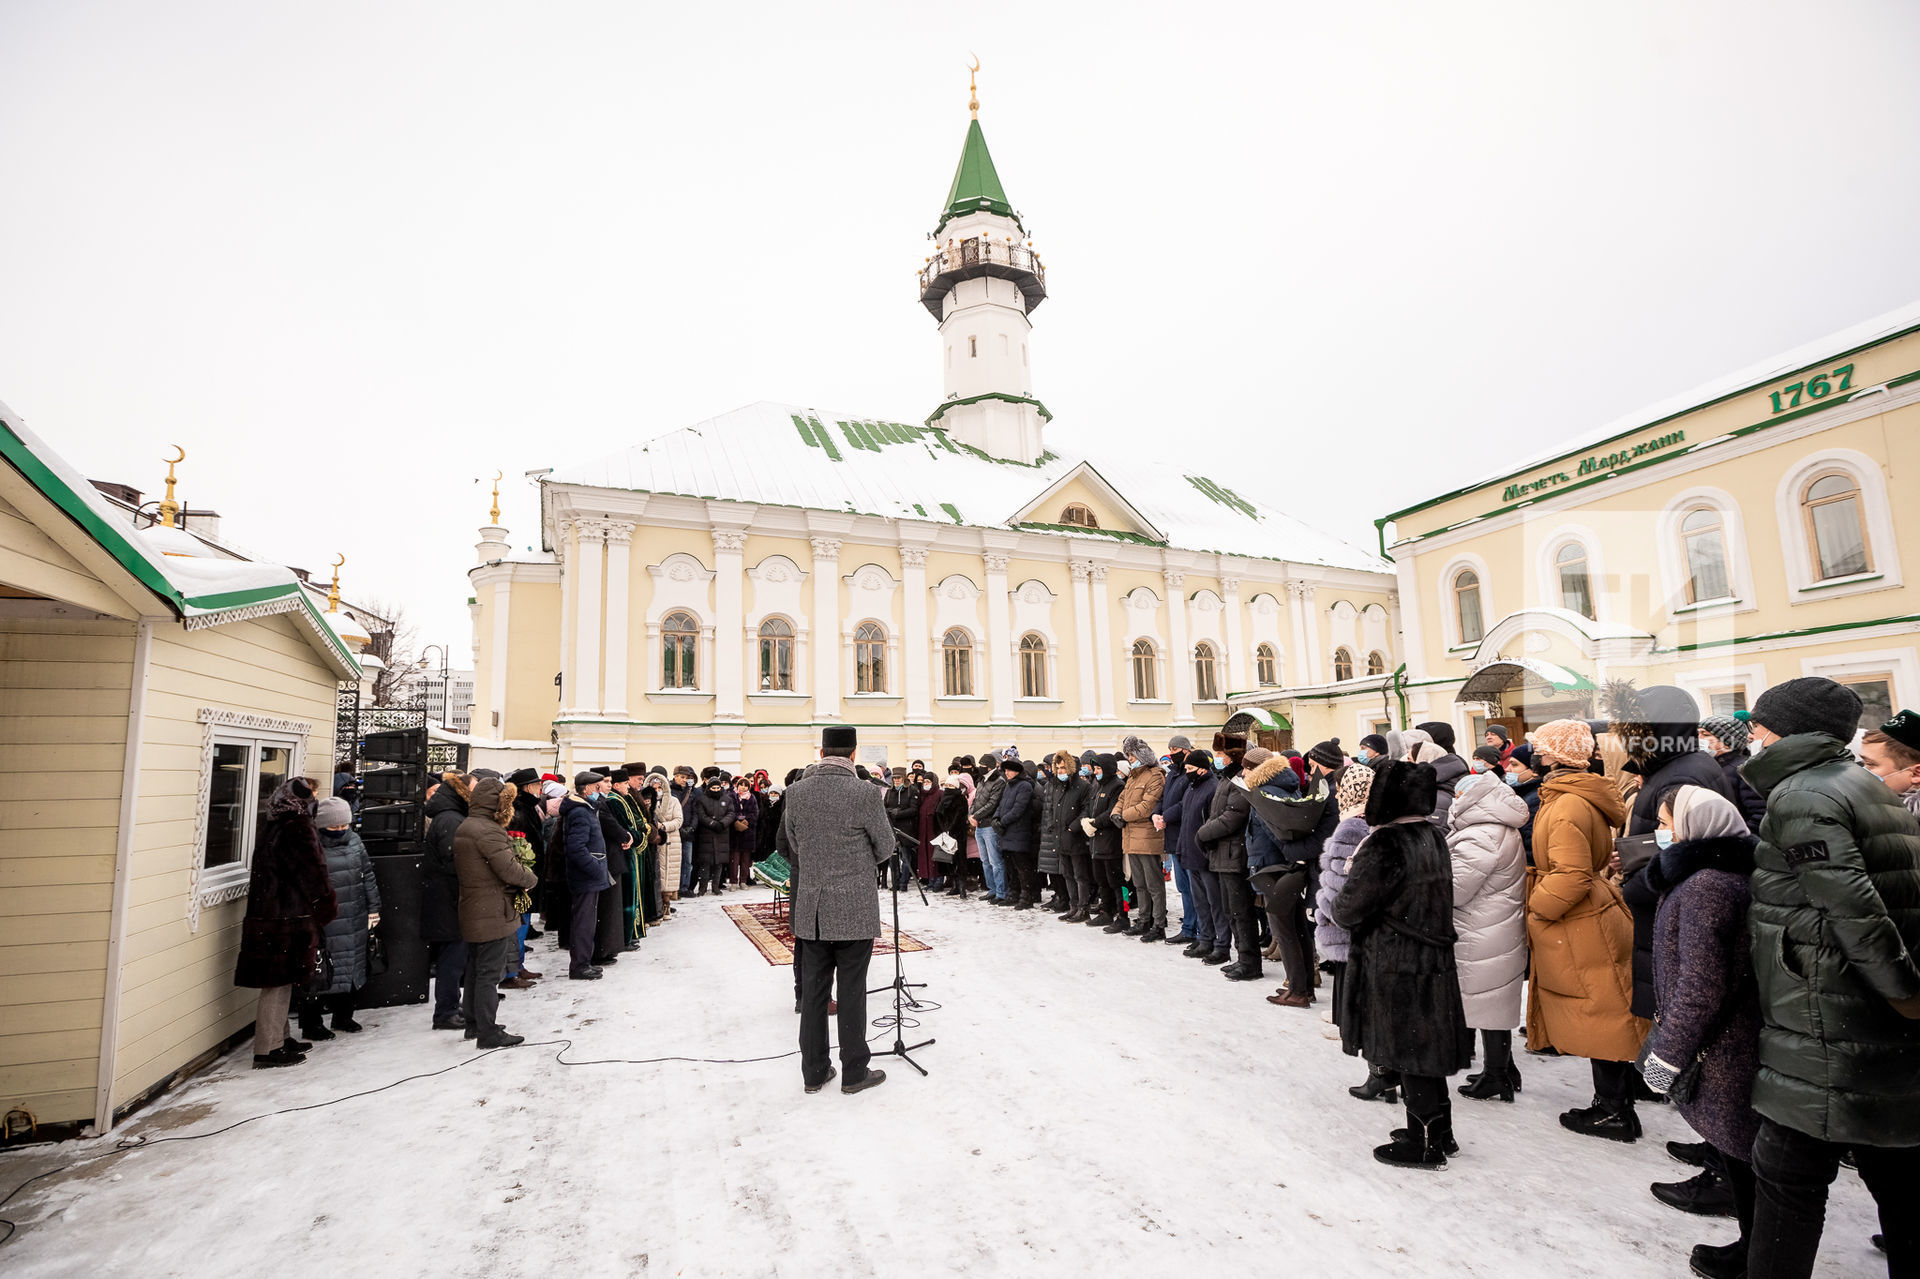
1095	1104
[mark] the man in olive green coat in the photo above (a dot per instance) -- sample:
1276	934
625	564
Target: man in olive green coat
1835	922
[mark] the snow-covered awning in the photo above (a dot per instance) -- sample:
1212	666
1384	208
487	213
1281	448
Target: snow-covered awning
1260	715
1504	674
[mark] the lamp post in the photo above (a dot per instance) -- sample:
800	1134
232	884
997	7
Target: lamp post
446	681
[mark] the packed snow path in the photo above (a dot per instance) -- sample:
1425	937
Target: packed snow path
1096	1105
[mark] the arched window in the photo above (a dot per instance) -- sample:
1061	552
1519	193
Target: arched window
869	658
679	633
1205	687
1836	531
1466	606
1376	664
956	650
1576	589
1263	666
1342	664
1146	687
1703	537
776	655
1079	515
1033	666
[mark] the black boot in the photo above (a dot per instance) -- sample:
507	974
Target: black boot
1704	1195
1098	919
1442	1130
1220	956
1154	934
1119	924
1719	1261
1381	1085
314	1028
1195	950
1078	915
1242	970
1487	1086
1613	1120
1419	1145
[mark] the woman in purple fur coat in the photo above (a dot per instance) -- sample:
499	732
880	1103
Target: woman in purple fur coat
1703	980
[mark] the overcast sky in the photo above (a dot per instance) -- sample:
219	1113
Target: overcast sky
351	256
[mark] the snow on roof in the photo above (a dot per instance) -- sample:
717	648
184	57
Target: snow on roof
173	564
787	455
1771	369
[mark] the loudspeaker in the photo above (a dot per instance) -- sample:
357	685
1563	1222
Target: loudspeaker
395	746
405	981
397	785
404	823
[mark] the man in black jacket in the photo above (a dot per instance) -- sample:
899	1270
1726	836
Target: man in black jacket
1013	827
585	847
440	900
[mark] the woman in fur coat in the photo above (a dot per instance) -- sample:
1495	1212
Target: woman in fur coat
289	903
1708	1000
1402	994
1489	914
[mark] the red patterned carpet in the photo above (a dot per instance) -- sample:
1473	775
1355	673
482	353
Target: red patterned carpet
766	926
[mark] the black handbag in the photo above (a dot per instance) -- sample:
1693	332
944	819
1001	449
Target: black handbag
320	975
376	955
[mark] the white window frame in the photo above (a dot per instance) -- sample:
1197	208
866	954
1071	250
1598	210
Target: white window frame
1804	586
235	728
1674	570
1449	608
1549	570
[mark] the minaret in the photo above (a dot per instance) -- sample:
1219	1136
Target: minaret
493	543
982	283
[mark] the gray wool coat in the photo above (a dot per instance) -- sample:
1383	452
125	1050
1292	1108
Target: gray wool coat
834	831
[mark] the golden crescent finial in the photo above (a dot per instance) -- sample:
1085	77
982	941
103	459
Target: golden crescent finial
175	461
339	560
169	508
495	513
333	595
973	92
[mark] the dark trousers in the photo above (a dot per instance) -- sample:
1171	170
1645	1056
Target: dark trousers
1613	1082
481	1002
706	872
1237	895
1287	906
1106	884
825	965
1792	1172
1079	869
1210	910
449	972
314	1009
581	930
1023	869
610	925
1339	967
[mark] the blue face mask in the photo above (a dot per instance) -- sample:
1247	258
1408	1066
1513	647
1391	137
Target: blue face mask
1513	779
1219	765
1363	754
1060	777
1664	838
1085	771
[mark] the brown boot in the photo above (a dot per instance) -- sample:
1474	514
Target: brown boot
1290	1000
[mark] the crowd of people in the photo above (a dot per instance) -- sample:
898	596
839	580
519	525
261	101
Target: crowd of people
1720	914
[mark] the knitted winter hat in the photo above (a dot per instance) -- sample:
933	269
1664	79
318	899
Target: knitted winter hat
1200	759
1521	755
1810	704
1500	732
1256	756
1564	741
1441	732
1351	793
552	790
1327	754
1732	733
1375	743
333	812
1179	742
1905	729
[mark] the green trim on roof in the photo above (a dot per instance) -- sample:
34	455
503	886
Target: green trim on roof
1118	535
990	395
953	512
976	184
1224	496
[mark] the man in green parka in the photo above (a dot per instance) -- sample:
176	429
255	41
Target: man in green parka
1835	922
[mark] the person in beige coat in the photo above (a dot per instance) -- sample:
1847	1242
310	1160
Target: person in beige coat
667	812
1142	845
489	876
1580	1001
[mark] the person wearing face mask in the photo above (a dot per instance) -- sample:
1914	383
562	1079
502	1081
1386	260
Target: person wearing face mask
1140	843
1709	1005
1526	784
1065	802
1048	861
1372	751
950	819
1012	822
1224	834
1835	927
1210	935
1579	1002
1489	918
713	814
1725	738
1103	844
1892	753
1166	820
986	802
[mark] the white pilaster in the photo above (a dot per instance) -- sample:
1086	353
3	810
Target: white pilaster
590	554
569	569
1179	650
496	671
1102	639
729	657
1236	637
824	628
1083	639
1304	672
619	609
914	648
999	655
1310	617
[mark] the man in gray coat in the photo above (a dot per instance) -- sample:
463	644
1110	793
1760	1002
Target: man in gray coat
834	831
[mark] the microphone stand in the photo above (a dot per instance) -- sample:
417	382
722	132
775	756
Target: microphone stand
902	1000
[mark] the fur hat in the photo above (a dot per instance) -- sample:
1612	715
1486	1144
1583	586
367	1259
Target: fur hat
1136	749
1810	704
1402	790
708	773
1011	764
333	811
619	775
1731	733
1351	794
1225	741
1564	741
1440	731
839	737
1327	754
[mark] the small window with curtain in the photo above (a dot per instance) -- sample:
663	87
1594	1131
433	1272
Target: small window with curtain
1264	667
1206	686
869	658
776	655
956	654
679	635
1703	540
1576	588
1836	527
1146	686
1033	666
1466	606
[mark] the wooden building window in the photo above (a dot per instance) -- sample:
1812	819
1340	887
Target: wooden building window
1342	664
1033	666
1576	587
1703	539
1466	606
679	636
1836	526
1079	515
1376	663
776	655
1206	687
1146	687
1264	667
956	663
869	658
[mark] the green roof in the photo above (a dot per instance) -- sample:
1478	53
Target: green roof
976	186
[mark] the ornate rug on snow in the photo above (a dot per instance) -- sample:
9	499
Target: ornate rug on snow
767	926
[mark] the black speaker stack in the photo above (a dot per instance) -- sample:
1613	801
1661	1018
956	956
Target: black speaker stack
393	827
